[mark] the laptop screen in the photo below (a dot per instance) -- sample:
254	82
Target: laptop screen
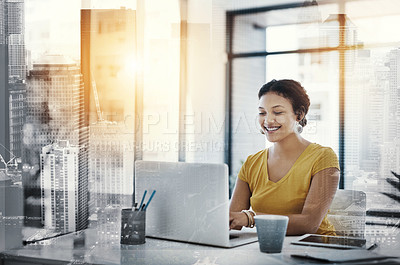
191	203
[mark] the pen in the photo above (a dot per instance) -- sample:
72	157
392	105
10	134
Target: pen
151	197
373	246
141	203
135	207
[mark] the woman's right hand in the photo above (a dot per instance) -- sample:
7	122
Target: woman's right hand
237	220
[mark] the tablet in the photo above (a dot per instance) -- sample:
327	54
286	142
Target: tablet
339	242
339	256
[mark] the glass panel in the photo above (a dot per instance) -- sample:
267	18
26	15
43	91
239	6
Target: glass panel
308	14
281	38
248	33
287	29
283	66
372	148
305	33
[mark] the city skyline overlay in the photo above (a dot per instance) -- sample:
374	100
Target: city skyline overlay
75	122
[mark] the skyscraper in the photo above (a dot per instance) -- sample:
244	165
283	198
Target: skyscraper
390	151
108	51
17	96
371	98
111	176
111	159
55	99
11	118
59	183
55	112
12	75
17	71
16	40
4	93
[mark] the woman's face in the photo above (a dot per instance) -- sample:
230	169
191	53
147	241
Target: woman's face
276	117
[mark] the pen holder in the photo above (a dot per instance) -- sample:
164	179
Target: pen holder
133	227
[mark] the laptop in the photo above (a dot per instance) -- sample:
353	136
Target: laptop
191	203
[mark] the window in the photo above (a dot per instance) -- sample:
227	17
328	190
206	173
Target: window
104	72
348	65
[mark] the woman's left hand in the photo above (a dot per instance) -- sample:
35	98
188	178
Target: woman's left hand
237	220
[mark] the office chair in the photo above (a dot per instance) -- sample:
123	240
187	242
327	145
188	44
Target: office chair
347	213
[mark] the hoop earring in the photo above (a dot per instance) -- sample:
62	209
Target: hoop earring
299	128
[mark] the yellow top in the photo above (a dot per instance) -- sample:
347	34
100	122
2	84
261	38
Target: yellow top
287	196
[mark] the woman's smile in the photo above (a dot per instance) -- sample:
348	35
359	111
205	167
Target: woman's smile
272	129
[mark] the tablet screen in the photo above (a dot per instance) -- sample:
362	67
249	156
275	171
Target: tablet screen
333	240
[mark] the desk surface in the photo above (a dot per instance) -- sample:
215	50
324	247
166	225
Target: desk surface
96	246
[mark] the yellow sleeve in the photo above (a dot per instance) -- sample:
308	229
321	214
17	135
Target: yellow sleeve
326	159
243	172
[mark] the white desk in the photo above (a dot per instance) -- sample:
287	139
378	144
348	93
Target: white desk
85	248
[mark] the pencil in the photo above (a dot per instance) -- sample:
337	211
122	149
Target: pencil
151	197
141	203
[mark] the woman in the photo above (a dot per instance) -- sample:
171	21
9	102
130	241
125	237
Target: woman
294	177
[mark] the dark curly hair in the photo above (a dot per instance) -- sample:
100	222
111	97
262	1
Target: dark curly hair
294	92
